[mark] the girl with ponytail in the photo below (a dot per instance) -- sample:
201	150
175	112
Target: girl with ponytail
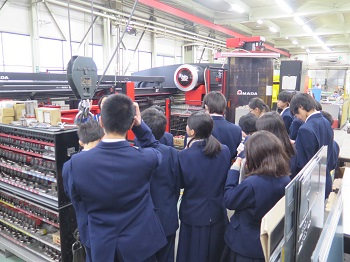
204	165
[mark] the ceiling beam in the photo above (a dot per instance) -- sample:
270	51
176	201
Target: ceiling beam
198	20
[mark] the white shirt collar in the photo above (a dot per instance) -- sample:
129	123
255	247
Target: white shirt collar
314	113
284	110
112	140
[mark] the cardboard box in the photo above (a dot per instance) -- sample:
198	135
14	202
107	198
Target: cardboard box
56	238
20	111
48	115
179	141
6	119
5	111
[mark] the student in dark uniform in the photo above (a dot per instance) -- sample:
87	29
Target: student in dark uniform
89	134
272	122
283	100
258	107
113	182
226	132
167	139
247	124
254	196
204	166
165	184
294	127
312	135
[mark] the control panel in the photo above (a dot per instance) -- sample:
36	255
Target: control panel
37	220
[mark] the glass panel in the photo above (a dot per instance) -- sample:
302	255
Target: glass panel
145	60
51	55
169	60
17	51
66	51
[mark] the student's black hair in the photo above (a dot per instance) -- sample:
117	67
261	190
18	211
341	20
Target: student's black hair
273	122
302	100
257	102
100	101
159	108
203	124
328	116
117	114
247	123
265	155
216	102
285	96
155	120
318	106
90	131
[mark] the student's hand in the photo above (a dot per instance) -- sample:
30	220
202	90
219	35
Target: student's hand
237	163
137	117
292	141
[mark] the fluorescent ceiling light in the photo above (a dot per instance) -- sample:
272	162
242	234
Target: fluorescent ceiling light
298	20
302	47
319	40
307	29
308	50
259	21
284	6
295	42
237	8
286	37
272	29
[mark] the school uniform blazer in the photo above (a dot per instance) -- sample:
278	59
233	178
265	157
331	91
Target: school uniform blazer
251	200
165	189
287	118
80	211
113	182
294	127
203	180
227	133
312	135
167	139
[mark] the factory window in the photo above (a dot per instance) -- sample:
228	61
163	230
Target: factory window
17	53
97	53
66	51
329	80
145	60
130	62
162	60
51	55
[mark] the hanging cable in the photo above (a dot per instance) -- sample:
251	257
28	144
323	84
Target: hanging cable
70	31
92	28
120	40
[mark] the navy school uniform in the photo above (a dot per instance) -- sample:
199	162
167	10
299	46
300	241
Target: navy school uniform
227	133
294	127
165	191
287	118
202	212
312	135
113	182
167	139
251	200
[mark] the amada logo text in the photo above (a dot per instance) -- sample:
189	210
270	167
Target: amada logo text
243	93
4	78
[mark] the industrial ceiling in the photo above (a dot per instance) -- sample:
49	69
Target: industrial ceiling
322	26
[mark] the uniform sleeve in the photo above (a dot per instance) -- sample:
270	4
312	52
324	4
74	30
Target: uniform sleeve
176	172
66	177
238	196
146	139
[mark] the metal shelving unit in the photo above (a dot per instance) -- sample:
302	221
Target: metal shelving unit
33	205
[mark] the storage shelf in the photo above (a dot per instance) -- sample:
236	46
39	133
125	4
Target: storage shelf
42	239
28	140
29	193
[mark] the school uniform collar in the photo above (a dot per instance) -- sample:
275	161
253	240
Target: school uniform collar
113	144
112	140
284	110
313	114
217	116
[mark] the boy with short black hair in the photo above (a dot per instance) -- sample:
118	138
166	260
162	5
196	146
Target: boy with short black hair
226	132
165	184
283	100
112	181
312	135
90	134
